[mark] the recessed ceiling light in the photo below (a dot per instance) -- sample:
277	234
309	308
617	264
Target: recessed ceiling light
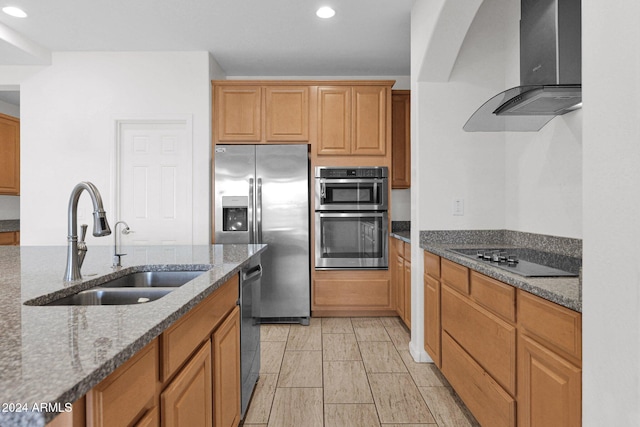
14	11
325	12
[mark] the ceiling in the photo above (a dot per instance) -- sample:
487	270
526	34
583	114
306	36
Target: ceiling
246	37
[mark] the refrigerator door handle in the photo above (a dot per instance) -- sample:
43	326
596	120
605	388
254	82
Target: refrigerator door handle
259	212
250	213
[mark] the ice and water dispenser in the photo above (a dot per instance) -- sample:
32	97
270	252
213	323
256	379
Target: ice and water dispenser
235	213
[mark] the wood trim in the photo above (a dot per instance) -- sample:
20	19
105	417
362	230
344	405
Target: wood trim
354	313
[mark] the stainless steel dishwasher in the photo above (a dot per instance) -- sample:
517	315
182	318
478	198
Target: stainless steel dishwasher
249	330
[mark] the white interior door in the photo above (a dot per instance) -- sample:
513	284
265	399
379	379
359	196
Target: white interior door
154	181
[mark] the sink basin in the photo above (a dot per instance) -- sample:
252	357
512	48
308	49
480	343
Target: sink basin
133	288
113	296
152	279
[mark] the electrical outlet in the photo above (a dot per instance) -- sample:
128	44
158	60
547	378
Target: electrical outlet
458	207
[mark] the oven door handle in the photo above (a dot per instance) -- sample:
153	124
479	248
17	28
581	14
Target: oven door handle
323	190
360	214
352	180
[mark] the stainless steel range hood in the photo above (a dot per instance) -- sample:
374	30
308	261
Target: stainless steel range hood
550	71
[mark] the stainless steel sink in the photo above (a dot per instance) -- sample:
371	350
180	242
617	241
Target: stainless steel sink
134	288
113	296
152	279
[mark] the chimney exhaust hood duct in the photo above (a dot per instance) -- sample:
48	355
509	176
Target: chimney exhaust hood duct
550	71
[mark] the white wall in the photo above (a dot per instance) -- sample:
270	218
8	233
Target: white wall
611	225
68	119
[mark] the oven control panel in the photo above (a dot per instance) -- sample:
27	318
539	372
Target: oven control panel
359	172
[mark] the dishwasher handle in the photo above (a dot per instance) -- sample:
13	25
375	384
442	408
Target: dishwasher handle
253	273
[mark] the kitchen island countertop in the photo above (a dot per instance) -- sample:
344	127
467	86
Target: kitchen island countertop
53	355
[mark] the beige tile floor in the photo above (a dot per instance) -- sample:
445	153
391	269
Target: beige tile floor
354	372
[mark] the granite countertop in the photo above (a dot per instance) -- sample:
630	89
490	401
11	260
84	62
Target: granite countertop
8	225
565	291
405	236
56	354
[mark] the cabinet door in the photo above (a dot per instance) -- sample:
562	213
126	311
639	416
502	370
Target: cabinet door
226	371
369	122
238	113
432	318
10	158
549	387
334	120
397	271
400	139
406	269
128	393
287	113
187	400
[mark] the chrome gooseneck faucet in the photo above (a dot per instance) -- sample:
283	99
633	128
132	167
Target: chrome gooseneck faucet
100	227
116	255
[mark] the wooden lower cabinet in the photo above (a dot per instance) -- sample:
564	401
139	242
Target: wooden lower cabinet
187	400
489	403
432	318
352	293
9	238
400	265
513	357
226	371
126	395
549	388
189	376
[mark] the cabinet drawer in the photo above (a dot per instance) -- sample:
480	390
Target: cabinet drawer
128	393
7	238
432	265
352	293
489	403
488	339
182	338
493	295
554	325
455	275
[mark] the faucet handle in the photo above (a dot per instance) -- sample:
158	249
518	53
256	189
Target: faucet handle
83	232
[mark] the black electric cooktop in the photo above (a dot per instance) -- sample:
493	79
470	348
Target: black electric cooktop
525	262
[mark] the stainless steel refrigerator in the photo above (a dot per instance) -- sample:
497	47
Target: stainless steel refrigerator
262	196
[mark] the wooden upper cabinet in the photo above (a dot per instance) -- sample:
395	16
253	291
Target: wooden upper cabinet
286	113
261	114
238	113
401	139
369	120
334	120
9	155
352	120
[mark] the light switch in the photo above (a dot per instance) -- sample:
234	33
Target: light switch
458	207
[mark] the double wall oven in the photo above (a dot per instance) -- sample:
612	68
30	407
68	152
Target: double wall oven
351	212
